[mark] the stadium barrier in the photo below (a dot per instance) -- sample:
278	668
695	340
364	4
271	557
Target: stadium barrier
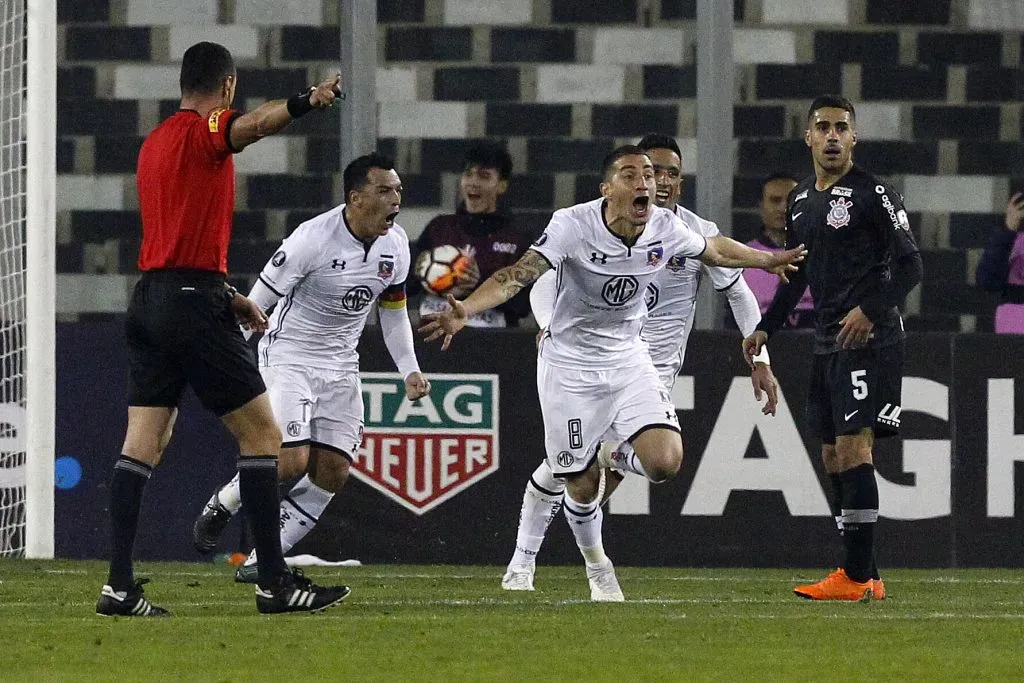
442	481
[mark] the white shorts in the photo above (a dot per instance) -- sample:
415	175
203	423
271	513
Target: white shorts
582	407
317	407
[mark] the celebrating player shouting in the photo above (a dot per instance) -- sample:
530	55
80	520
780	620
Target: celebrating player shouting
594	373
671	302
323	280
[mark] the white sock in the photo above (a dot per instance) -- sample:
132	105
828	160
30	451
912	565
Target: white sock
585	520
300	510
625	459
230	496
541	502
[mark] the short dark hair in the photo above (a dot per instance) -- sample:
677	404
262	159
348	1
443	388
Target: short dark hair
778	175
834	101
490	155
204	67
355	176
624	151
657	141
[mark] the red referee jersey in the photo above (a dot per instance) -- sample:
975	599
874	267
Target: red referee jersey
186	181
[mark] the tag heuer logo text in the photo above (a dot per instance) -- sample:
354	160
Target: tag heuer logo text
422	453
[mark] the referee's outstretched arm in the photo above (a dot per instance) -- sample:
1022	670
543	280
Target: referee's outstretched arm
270	117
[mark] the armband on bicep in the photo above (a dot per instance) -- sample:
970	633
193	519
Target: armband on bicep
393	297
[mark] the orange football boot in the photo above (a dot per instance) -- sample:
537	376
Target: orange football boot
836	586
877	589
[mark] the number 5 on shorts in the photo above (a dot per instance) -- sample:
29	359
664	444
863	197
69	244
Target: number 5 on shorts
860	387
575	433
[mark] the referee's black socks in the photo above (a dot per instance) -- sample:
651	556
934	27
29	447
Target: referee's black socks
860	512
126	486
257	484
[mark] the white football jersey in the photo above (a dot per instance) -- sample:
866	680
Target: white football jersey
329	278
672	297
599	304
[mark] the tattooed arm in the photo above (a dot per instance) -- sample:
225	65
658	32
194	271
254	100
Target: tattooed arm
507	282
495	290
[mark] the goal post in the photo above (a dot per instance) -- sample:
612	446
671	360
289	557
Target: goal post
28	30
41	275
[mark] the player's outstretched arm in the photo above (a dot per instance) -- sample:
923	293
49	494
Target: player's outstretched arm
495	290
270	117
723	251
507	282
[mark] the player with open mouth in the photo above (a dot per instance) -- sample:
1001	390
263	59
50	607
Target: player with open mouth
594	372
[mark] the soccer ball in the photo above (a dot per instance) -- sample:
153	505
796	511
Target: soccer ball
438	268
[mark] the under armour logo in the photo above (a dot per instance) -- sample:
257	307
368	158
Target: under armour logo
337	263
597	256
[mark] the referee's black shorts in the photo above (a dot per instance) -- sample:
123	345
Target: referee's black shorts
181	330
856	389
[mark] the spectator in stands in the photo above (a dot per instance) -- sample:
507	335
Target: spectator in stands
1001	268
774	194
479	227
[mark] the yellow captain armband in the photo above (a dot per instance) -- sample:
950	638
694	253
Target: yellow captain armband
391	304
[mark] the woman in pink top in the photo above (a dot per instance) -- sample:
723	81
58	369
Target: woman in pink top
1001	268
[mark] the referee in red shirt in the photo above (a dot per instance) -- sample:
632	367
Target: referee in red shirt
182	324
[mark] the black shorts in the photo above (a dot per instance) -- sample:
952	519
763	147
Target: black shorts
855	389
181	330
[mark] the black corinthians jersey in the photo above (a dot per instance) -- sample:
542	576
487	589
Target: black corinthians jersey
853	231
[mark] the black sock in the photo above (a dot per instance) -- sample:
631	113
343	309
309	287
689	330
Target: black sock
126	486
836	505
835	501
257	483
860	511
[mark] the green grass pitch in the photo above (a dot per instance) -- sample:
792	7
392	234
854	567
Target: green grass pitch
454	623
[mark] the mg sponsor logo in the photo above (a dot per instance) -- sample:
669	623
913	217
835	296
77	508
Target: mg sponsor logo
422	453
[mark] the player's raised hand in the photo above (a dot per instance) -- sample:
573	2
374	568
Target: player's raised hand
785	262
855	329
444	324
763	380
752	346
416	386
326	92
249	315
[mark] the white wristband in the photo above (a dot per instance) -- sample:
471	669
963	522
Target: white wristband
762	357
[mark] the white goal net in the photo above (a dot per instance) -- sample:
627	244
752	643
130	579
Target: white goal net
12	277
27	178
